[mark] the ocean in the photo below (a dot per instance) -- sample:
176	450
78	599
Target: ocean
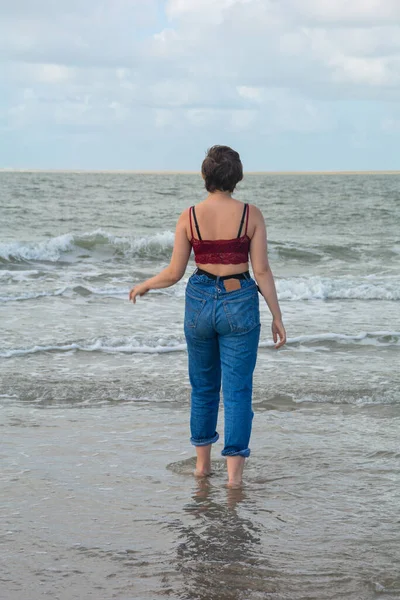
98	497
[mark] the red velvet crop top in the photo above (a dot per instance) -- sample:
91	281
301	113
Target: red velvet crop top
221	252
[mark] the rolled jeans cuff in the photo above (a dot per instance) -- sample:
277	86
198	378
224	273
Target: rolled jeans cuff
245	453
206	442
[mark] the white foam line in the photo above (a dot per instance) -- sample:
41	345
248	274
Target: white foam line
33	296
128	348
95	348
326	337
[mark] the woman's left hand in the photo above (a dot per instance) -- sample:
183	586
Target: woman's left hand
138	290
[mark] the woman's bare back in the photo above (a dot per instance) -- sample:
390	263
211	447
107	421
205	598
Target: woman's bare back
219	217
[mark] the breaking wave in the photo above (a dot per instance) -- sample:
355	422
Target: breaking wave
158	245
325	288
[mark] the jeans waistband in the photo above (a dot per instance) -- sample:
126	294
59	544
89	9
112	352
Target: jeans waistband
244	275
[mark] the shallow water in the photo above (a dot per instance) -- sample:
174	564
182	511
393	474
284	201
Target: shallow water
102	503
98	496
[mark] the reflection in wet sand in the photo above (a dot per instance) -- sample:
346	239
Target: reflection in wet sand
220	553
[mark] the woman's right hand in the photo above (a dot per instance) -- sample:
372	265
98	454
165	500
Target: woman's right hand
278	331
139	290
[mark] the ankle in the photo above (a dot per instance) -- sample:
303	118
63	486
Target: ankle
201	466
202	472
235	483
235	466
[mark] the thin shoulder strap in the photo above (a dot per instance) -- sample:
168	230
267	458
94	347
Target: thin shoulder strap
242	220
190	221
247	218
196	223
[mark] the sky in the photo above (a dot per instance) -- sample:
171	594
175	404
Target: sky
151	84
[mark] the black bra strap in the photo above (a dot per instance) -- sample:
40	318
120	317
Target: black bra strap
242	221
196	223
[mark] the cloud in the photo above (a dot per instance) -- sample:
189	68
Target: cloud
197	69
76	33
342	12
286	44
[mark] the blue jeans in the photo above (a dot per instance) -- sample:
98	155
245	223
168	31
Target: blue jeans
222	331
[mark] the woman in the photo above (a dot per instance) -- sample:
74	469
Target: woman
222	319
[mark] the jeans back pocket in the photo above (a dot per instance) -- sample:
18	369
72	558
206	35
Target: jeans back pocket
243	313
193	307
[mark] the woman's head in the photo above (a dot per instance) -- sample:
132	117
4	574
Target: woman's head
221	169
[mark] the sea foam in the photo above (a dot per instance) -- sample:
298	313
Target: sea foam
160	345
325	288
289	289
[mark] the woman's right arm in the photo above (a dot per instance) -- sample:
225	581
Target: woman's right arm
177	266
264	277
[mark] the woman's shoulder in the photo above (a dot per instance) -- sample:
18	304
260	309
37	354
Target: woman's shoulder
184	216
255	212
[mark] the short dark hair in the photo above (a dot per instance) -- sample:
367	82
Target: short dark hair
222	169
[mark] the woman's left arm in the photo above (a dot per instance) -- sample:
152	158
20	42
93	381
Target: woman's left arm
177	266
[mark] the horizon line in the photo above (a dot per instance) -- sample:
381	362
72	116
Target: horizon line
190	172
